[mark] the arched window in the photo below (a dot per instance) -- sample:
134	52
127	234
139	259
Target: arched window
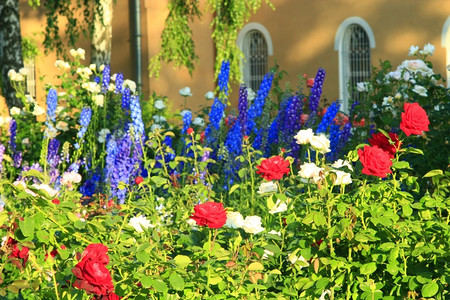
445	42
256	45
354	39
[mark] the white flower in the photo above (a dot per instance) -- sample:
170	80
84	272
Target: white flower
275	232
209	95
342	163
159	104
192	223
418	89
93	67
45	187
24	71
267	253
14	111
252	224
14	76
234	220
101	68
413	50
362	87
91	86
267	187
111	87
199	121
38	110
342	178
416	65
140	223
62	65
24	186
130	84
324	293
61	125
185	92
303	137
50	132
4	120
79	53
395	75
26	141
69	178
155	127
428	49
114	76
183	112
159	119
398	96
4	239
280	206
320	143
250	94
11	73
311	171
99	99
102	135
84	72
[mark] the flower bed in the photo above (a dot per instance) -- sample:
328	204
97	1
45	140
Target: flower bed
259	205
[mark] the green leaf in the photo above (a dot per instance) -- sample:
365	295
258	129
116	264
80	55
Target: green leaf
214	280
182	260
368	268
233	188
401	165
309	218
430	289
433	173
322	283
319	219
392	268
256	266
176	281
3	217
143	256
160	286
146	281
27	226
407	210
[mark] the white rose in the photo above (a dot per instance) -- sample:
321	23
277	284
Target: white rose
14	111
395	75
311	171
280	206
155	127
93	67
24	71
362	87
342	178
91	86
38	110
209	95
252	224
250	94
26	141
4	120
185	92
267	187
130	84
102	135
159	119
418	89
69	178
61	125
303	137
342	163
140	223
199	121
234	220
99	100
428	49
267	253
81	53
320	143
24	187
293	258
111	87
159	104
45	187
11	73
398	96
413	50
275	232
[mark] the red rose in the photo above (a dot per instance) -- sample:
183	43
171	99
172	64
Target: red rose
303	118
273	168
375	161
310	82
56	201
202	137
20	253
110	296
414	119
211	214
190	130
382	142
91	272
138	180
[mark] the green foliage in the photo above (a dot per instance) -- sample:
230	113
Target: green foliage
29	49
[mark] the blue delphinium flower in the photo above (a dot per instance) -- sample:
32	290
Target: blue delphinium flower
256	109
215	116
75	166
126	99
242	107
119	83
293	123
328	117
91	185
17	159
12	135
106	77
233	140
111	152
344	136
85	119
314	98
122	168
97	79
136	116
223	76
53	158
52	103
187	120
335	135
26	168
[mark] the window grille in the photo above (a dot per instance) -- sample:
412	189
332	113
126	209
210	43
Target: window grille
256	53
357	47
31	78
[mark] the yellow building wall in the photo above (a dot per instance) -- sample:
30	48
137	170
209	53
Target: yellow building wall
303	34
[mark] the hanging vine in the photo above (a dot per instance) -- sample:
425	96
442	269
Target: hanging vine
177	45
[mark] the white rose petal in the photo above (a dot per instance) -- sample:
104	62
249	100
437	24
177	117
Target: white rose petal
280	206
209	95
199	121
311	171
428	49
303	137
159	104
267	187
342	163
140	223
38	110
413	50
130	84
234	220
342	178
418	89
14	111
320	143
253	225
185	92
